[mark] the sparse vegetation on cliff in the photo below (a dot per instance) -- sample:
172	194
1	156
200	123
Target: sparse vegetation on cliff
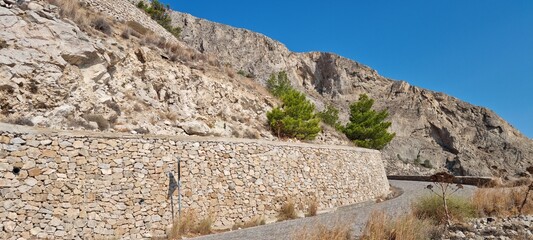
159	13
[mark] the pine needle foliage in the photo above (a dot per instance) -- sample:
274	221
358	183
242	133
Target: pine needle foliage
159	13
296	117
279	84
330	116
367	127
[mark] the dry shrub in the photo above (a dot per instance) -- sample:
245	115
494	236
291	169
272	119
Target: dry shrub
20	121
102	123
3	43
73	10
102	25
204	226
137	107
431	207
287	211
256	221
137	28
74	122
501	202
407	227
229	71
212	59
514	182
141	130
189	225
149	40
312	208
113	105
169	115
340	231
126	33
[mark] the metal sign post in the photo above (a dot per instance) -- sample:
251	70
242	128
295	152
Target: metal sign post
172	185
179	188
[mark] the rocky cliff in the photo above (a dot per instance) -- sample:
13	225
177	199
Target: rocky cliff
449	133
70	71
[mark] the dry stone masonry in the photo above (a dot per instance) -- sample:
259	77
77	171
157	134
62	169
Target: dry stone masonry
86	185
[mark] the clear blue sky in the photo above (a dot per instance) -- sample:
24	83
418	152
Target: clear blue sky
480	51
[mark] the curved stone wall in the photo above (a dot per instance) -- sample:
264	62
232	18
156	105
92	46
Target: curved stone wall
74	184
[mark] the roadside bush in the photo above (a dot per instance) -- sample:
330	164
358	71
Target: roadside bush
501	202
380	226
287	211
312	208
340	231
256	221
431	207
189	225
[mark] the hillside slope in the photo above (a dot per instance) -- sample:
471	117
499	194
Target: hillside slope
62	72
450	133
59	72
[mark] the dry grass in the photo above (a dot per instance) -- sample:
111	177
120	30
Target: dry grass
321	232
515	182
312	208
256	221
287	211
83	17
407	227
189	225
501	202
137	28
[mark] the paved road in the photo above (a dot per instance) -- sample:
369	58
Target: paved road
356	214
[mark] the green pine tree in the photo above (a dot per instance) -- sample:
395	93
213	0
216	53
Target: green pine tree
295	118
279	84
367	127
330	116
160	13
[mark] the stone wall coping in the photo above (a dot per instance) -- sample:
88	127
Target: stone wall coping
11	128
467	180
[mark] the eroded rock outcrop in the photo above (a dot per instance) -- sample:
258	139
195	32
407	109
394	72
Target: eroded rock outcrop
52	73
449	133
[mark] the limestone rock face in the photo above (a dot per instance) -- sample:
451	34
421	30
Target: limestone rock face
54	73
449	133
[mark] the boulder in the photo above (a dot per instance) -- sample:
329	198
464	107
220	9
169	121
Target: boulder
195	128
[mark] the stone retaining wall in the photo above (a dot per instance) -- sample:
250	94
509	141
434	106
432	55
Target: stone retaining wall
86	185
